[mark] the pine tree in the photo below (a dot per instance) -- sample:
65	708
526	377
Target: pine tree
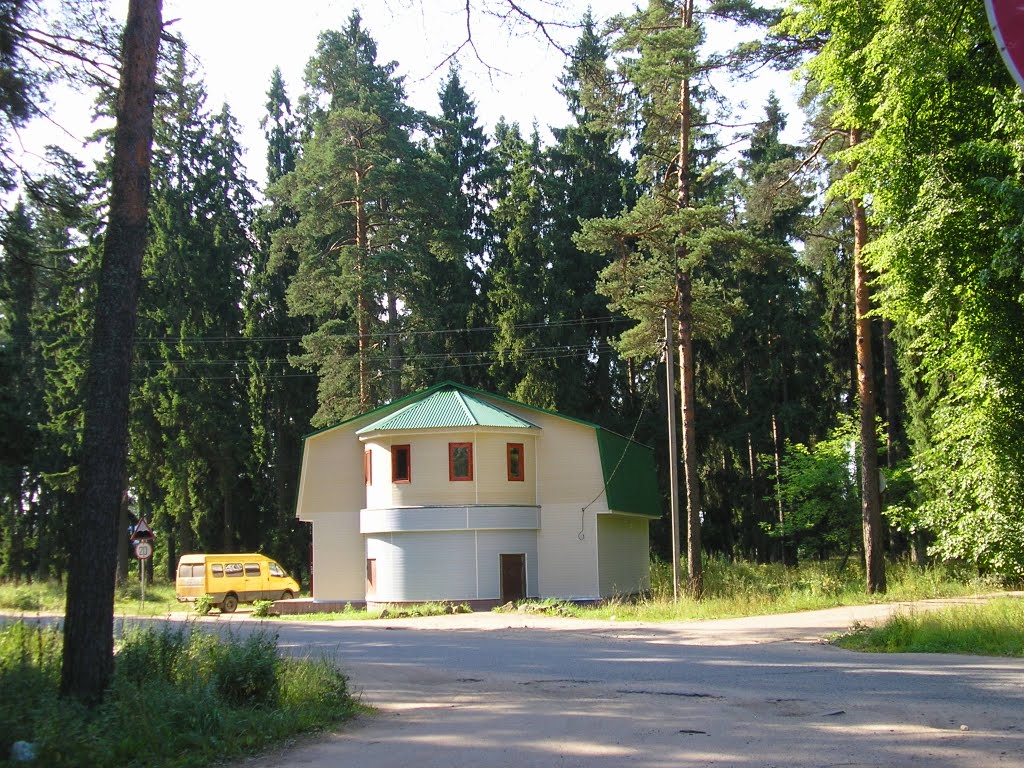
357	192
847	91
662	245
88	656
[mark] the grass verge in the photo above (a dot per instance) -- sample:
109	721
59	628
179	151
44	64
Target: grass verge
49	597
994	628
180	697
733	588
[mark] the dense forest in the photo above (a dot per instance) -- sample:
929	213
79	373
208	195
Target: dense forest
846	313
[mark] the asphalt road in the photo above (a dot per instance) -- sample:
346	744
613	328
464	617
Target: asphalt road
499	690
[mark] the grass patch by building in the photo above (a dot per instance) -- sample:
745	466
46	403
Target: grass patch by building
993	628
737	588
731	588
180	697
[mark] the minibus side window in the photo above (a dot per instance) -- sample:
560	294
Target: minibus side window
217	570
252	569
233	569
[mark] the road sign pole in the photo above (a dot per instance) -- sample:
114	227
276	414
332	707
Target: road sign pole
143	551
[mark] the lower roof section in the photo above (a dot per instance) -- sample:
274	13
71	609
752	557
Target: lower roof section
630	478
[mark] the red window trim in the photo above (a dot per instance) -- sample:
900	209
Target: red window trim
395	450
368	467
451	462
521	477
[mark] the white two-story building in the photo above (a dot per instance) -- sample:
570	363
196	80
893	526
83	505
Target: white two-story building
459	495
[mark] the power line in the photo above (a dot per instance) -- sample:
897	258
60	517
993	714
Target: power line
376	335
405	361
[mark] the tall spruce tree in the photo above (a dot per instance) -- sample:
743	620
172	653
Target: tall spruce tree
189	436
21	396
767	364
281	398
518	283
444	302
585	178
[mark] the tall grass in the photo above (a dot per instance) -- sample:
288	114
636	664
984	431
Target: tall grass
737	588
995	628
49	596
180	697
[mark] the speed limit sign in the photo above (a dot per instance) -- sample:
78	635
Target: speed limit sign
143	550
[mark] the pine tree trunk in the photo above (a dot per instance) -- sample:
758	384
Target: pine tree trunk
227	509
394	348
124	545
695	575
684	298
362	304
893	452
88	662
871	512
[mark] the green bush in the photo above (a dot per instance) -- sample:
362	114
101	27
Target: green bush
200	697
26	600
261	608
245	671
204	604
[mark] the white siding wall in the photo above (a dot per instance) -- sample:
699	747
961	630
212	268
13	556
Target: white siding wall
331	496
565	457
491	545
430	485
492	474
451	565
339	566
568	564
623	555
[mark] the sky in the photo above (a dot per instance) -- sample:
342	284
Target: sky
512	73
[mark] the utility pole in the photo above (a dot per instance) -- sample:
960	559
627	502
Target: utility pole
673	451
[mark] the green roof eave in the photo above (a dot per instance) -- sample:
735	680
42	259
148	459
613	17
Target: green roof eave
380	409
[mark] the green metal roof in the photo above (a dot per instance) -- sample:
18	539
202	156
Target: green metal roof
445	408
630	478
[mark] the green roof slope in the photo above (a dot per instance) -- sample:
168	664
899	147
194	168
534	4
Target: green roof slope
630	477
447	408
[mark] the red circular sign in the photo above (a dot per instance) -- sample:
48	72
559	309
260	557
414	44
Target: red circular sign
1007	20
143	550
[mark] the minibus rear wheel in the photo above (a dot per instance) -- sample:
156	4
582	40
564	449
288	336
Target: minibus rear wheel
229	603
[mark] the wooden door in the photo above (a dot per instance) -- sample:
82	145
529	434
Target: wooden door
513	577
